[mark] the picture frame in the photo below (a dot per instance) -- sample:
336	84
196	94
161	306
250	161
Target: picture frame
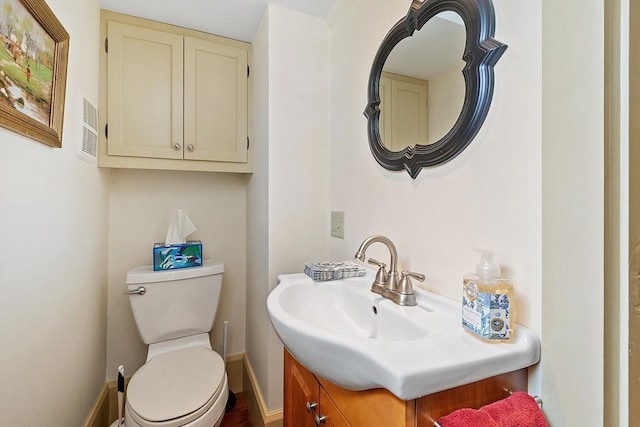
34	50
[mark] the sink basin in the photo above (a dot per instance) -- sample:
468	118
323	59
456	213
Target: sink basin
350	310
343	332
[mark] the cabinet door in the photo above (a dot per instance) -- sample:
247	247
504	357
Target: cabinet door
215	106
301	391
330	415
145	93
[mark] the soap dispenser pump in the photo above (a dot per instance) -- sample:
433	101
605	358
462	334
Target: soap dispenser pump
487	301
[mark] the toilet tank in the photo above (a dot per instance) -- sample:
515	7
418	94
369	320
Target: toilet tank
176	303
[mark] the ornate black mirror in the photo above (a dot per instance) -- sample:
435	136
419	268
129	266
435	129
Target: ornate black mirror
430	86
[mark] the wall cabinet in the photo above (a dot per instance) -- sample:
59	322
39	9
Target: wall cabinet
311	401
174	98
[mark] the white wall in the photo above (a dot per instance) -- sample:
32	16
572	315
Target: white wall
142	205
259	331
492	195
487	197
53	256
288	192
573	209
446	97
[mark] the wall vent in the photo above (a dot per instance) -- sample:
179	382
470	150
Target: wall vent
87	147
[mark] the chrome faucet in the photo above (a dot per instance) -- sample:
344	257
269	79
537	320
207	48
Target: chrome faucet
390	285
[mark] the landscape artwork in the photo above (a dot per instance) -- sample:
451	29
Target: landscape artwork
27	54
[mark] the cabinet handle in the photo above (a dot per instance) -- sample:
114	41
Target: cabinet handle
190	147
177	146
311	406
320	419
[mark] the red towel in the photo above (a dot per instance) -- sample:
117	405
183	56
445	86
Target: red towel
467	417
517	410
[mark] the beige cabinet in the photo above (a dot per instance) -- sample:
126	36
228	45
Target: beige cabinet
215	101
404	111
174	98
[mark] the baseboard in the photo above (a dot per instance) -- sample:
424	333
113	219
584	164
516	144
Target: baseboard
258	413
235	369
99	413
105	408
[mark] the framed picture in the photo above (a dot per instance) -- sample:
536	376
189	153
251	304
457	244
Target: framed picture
34	48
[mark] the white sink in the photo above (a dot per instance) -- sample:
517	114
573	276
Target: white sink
343	332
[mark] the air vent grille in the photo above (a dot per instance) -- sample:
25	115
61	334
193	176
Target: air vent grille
87	148
89	142
89	114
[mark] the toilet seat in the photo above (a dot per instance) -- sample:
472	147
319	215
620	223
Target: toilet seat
176	388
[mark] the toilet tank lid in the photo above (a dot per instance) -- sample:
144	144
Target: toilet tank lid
145	274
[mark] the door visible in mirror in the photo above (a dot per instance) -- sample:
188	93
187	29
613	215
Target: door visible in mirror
422	88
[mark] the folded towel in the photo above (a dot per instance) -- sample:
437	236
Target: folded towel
468	417
517	410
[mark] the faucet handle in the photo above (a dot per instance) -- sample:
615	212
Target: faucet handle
418	276
380	282
376	262
404	295
405	286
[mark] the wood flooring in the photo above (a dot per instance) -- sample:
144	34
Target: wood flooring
238	416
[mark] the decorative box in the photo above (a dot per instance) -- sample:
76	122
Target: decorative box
321	271
178	255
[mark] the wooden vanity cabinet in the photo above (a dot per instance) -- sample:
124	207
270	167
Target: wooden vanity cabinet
379	407
338	406
430	408
174	98
302	394
328	414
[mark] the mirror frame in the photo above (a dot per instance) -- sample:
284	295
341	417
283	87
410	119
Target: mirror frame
481	53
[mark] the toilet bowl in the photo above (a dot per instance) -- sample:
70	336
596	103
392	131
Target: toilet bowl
183	382
184	387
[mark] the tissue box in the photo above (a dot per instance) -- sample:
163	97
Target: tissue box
179	255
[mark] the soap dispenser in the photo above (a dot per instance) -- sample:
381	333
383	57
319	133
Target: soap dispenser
487	299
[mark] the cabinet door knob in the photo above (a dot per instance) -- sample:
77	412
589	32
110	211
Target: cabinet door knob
311	406
190	147
177	146
320	419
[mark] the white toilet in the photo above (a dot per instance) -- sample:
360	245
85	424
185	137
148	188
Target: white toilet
183	382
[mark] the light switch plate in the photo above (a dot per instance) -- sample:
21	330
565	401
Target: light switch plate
337	224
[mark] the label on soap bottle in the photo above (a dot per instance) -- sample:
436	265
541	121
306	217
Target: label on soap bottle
471	308
485	313
499	317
